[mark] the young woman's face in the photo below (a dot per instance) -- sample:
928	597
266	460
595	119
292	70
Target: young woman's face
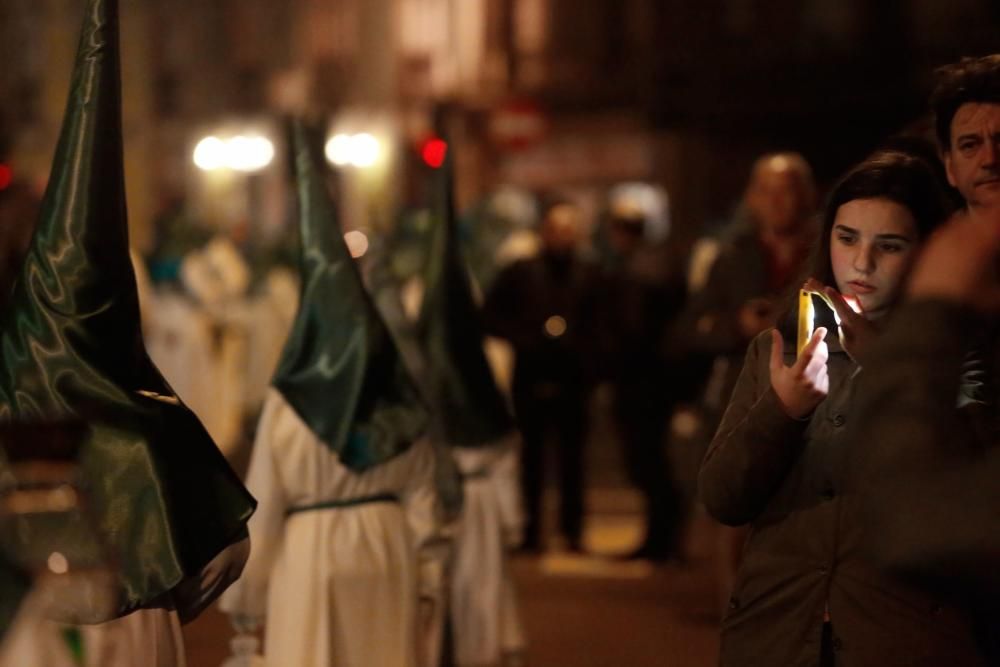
872	246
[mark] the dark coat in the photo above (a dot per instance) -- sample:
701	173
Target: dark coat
548	309
935	515
793	481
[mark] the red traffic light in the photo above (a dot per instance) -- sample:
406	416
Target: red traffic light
6	176
434	152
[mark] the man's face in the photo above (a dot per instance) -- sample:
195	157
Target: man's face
973	157
776	198
560	229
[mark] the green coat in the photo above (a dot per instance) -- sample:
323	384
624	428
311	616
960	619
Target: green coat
793	482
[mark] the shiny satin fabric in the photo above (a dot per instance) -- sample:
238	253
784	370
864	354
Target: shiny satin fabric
71	346
340	369
468	408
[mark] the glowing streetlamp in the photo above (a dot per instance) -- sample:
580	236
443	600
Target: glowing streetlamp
357	150
244	153
210	154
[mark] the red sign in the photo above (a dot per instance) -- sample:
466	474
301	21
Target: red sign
517	125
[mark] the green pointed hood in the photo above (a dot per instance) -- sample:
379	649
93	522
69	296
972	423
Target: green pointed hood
469	409
340	369
71	346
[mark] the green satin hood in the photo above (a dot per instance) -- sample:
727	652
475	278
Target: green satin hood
340	369
70	346
468	408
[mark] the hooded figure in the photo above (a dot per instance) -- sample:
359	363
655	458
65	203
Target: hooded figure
348	521
170	508
470	415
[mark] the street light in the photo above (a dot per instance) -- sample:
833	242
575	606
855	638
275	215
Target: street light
245	153
210	154
357	150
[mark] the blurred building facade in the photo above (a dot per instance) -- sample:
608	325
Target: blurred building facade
551	94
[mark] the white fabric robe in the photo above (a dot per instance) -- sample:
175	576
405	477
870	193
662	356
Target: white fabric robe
202	357
485	620
337	586
148	637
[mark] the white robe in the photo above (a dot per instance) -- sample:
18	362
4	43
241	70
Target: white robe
202	358
337	586
485	620
147	637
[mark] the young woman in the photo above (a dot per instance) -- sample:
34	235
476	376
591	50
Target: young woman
805	594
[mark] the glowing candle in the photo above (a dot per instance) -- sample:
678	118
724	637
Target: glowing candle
807	315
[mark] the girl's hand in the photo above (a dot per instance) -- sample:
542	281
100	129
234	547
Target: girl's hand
856	331
803	385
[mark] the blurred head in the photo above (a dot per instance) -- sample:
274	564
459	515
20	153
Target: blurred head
560	229
966	103
873	224
781	194
626	230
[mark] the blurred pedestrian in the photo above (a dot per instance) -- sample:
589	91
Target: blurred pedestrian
644	291
547	308
756	264
471	419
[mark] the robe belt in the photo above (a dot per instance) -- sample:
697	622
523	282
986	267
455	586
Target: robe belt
343	504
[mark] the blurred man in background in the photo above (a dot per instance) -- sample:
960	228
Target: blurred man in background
757	263
546	307
645	291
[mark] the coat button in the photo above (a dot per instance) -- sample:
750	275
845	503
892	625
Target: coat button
837	644
839	420
828	493
734	603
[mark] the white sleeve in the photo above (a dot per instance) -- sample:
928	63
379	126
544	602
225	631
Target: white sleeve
420	502
248	596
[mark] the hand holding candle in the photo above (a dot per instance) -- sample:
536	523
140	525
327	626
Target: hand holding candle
856	331
803	385
853	328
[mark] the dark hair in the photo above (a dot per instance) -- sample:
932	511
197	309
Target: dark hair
968	80
909	179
